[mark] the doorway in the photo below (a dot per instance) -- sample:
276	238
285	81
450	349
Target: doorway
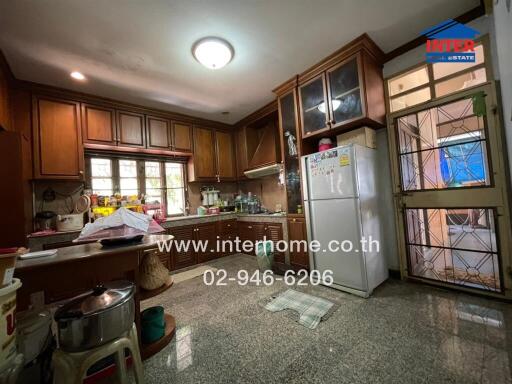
451	192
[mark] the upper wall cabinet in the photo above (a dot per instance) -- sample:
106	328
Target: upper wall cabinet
98	124
158	133
343	91
58	151
225	156
130	129
214	158
182	137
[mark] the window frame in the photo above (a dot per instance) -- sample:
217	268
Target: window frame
432	82
141	177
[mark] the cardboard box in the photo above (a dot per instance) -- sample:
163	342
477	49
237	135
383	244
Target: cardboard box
363	136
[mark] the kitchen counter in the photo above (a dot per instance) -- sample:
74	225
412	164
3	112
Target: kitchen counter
79	268
81	251
37	243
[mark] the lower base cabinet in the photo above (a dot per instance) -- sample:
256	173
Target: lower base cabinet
297	232
183	253
182	258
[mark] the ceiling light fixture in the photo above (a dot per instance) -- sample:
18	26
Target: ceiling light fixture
213	52
77	75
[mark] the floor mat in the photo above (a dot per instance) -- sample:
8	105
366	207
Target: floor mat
192	273
307	309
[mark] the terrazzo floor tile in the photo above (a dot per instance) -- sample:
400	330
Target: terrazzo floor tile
403	333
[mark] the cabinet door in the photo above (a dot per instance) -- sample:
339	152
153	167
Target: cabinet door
297	231
314	112
58	150
183	259
242	161
228	232
204	153
207	233
98	125
252	232
345	92
130	129
158	133
225	155
182	137
274	233
290	140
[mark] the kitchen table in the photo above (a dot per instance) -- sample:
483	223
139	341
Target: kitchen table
78	268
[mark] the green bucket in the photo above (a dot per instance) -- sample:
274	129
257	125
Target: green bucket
152	323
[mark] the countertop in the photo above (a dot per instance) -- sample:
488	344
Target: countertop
82	251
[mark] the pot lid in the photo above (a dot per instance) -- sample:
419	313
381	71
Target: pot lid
101	298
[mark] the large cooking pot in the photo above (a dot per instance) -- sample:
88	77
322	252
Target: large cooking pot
96	317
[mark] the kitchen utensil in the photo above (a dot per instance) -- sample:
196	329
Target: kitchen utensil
96	317
71	222
82	204
44	220
35	255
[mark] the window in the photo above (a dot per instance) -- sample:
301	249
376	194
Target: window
428	81
161	182
128	183
153	182
101	176
175	188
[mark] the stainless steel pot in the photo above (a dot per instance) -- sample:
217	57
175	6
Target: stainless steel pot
96	317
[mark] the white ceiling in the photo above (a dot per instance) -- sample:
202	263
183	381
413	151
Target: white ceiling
140	51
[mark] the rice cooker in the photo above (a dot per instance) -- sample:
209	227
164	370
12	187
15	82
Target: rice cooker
71	222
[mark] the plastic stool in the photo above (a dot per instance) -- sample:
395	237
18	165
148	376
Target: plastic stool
71	367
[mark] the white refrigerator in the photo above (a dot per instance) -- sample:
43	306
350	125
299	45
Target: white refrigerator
341	208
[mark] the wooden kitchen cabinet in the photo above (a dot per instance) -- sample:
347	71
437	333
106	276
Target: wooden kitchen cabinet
297	232
227	231
214	158
251	231
98	125
183	258
207	232
225	156
343	91
158	133
314	112
274	233
182	137
203	163
57	141
241	152
130	129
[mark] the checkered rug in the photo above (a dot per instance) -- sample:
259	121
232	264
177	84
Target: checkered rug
311	309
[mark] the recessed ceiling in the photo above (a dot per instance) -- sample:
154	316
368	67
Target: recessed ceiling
140	51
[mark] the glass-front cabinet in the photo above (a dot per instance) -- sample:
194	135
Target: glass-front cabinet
314	114
341	94
345	92
291	150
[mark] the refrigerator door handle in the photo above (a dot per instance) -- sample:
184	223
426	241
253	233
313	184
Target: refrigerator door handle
309	235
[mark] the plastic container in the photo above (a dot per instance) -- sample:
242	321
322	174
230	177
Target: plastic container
34	333
264	255
152	323
7	320
7	264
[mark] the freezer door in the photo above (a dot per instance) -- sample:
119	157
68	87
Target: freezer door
330	174
338	220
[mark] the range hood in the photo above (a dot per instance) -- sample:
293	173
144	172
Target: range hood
263	171
266	159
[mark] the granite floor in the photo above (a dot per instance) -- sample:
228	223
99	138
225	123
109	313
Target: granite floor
405	333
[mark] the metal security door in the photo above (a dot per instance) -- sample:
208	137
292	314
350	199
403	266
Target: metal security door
451	192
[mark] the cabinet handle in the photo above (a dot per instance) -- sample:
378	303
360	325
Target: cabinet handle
81	172
249	226
229	225
294	220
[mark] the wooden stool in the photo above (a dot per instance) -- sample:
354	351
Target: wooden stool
71	367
